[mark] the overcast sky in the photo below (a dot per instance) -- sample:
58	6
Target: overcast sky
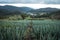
32	1
35	6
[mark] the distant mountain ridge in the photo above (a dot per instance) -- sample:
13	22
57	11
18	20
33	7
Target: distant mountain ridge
27	9
7	9
13	8
48	9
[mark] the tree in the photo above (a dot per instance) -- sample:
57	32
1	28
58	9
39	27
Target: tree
24	16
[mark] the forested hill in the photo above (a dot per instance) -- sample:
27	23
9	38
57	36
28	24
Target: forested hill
8	11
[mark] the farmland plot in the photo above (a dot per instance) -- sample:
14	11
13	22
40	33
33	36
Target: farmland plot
30	30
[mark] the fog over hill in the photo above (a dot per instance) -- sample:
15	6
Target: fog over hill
27	9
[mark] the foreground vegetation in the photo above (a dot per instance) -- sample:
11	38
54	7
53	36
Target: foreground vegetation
30	30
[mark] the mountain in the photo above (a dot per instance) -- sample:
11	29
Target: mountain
13	8
47	10
27	9
7	9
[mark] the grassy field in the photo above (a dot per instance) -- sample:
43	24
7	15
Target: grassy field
30	30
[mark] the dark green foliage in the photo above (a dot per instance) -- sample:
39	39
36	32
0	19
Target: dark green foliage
39	30
23	16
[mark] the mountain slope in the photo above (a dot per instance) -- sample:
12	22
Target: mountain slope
48	10
13	8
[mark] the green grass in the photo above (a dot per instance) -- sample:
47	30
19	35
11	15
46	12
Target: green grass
42	29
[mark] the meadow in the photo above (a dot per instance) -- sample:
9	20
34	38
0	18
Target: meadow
30	30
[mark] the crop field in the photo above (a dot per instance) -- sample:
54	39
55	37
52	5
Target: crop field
30	30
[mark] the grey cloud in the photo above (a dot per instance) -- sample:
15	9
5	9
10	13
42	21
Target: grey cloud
32	1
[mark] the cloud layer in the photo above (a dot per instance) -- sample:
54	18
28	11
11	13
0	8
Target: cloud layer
35	6
32	1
